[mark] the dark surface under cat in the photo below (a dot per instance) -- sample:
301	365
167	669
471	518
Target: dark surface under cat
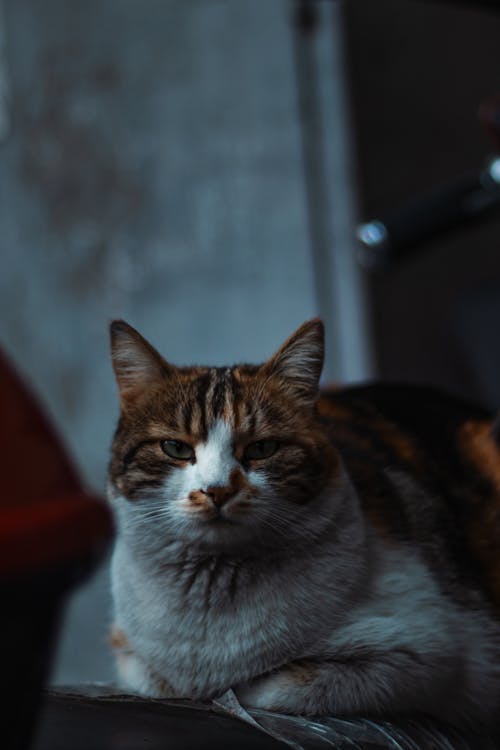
88	719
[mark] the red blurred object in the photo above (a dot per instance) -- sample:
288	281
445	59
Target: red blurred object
52	534
46	517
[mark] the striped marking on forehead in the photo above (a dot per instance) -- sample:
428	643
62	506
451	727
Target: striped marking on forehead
214	399
206	395
220	397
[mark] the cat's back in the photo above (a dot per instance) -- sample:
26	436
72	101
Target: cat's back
427	469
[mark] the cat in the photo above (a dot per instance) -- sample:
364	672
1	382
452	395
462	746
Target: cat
326	552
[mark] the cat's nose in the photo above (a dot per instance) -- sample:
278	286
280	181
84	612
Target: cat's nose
219	495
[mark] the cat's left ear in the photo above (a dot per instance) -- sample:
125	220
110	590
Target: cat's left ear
138	366
299	361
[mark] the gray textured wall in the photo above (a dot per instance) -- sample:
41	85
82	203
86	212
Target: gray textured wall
152	172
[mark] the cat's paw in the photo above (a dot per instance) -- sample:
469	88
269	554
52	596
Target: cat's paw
284	691
134	671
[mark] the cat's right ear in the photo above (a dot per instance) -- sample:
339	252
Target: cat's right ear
299	361
137	365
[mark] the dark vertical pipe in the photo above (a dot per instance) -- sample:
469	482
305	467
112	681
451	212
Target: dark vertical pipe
306	18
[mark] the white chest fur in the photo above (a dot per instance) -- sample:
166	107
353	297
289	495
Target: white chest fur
205	627
209	627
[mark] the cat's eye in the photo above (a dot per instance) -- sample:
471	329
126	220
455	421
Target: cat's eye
177	449
260	450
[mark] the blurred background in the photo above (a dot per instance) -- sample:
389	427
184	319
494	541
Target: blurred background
198	168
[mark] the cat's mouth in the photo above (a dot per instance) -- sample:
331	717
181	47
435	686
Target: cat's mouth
205	512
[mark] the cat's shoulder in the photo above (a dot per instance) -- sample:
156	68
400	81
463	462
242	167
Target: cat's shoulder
426	465
415	407
410	422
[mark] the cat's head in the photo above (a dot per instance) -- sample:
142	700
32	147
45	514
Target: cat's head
224	455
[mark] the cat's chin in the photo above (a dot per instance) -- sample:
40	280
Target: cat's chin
223	533
217	522
219	526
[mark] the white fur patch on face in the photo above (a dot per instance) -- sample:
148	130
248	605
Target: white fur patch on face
214	459
213	466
